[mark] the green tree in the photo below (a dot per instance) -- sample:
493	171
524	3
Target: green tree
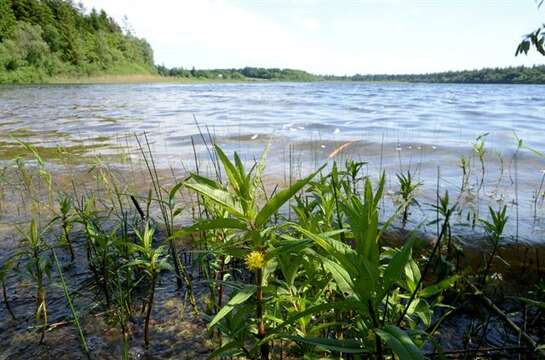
32	49
7	19
40	38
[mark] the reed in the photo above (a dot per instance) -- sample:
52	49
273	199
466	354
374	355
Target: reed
38	268
307	270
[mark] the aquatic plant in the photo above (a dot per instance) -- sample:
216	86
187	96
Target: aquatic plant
465	165
320	279
494	228
67	219
355	280
353	169
169	211
442	208
152	261
407	189
241	201
34	251
479	149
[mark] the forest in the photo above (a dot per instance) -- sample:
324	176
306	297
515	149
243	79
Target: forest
247	73
40	39
508	75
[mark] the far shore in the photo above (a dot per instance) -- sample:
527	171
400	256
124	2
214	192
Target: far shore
138	79
156	79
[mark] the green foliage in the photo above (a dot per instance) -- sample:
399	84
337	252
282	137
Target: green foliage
152	261
323	280
41	39
240	209
407	189
247	73
7	19
34	251
535	38
509	75
494	228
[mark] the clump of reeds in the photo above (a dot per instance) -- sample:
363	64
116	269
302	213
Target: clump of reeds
317	279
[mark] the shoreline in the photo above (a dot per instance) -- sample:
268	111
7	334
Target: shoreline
158	79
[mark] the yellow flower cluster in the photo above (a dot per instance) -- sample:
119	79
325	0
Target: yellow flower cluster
255	260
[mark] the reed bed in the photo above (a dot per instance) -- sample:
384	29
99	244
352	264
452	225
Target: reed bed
310	268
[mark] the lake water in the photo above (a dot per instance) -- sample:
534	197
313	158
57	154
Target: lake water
396	127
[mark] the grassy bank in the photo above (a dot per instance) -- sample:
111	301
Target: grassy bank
255	270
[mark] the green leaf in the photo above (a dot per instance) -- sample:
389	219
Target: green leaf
224	350
439	287
230	169
212	191
340	275
174	190
216	224
280	198
288	246
260	167
350	346
538	304
412	274
342	252
397	264
243	295
401	344
424	312
340	305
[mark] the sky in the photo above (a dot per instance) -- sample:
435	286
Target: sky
340	37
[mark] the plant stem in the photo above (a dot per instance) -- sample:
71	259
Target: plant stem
67	238
264	349
220	279
6	302
72	309
41	307
148	312
378	341
490	260
105	281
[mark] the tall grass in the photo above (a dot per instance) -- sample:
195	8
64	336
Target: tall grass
307	270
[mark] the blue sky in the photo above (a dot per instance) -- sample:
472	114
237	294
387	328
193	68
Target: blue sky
333	37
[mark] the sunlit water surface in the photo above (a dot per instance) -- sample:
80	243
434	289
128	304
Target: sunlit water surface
424	128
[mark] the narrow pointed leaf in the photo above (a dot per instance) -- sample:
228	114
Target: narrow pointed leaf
238	299
280	198
400	343
350	346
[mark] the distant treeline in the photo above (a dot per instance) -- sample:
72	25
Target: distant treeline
509	75
47	38
247	73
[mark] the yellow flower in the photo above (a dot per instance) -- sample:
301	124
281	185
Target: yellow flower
255	260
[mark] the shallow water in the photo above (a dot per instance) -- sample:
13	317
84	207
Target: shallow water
397	127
